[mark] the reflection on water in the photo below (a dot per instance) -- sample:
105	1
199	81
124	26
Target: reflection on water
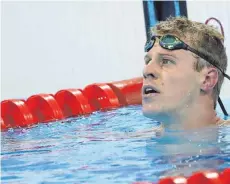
118	146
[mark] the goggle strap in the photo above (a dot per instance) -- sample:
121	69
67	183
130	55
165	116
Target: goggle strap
222	106
227	76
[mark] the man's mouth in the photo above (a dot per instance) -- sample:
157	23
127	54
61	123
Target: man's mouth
149	90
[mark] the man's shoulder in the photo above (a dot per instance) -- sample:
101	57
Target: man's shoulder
224	122
227	122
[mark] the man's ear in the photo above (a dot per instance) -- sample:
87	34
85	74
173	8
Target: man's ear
209	79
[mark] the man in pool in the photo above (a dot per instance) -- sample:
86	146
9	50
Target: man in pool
184	70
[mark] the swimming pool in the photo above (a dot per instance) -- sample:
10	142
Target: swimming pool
101	148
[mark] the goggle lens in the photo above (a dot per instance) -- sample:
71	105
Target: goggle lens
169	42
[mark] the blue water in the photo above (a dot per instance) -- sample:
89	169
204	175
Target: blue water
104	148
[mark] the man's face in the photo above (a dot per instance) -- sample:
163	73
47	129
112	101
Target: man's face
170	82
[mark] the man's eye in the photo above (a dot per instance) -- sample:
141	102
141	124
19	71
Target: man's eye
167	61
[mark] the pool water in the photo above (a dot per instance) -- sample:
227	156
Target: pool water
104	148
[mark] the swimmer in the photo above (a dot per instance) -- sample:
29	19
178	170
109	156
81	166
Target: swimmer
185	65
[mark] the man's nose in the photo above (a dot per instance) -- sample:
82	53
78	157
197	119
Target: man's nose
150	70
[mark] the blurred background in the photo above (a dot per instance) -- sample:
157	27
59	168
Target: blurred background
48	46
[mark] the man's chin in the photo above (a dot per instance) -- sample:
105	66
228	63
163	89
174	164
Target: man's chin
155	114
150	113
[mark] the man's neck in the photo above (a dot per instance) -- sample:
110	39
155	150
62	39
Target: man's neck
193	116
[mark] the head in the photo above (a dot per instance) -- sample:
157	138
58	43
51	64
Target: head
181	78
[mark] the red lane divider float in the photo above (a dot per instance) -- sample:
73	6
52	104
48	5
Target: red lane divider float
15	113
173	180
70	102
44	108
128	91
3	126
73	102
101	97
205	177
225	176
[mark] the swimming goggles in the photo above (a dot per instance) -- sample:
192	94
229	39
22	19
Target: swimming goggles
171	42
